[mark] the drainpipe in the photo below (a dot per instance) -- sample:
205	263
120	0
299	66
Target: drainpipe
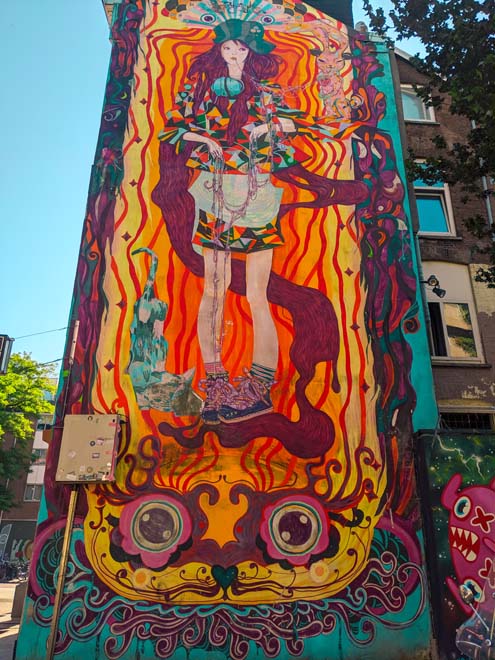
486	188
411	196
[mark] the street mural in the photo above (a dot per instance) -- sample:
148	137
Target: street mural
246	300
461	485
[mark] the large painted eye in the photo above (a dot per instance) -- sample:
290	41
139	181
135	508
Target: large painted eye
153	527
208	19
295	529
267	19
156	526
462	507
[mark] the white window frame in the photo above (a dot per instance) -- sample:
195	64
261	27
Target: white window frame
455	279
428	110
441	192
34	488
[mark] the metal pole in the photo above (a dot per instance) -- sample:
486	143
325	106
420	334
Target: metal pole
61	572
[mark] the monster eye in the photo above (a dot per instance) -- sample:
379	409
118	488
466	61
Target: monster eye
156	526
295	530
208	19
153	528
267	20
462	507
474	587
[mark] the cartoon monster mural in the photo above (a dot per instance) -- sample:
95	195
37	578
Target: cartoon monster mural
460	508
471	535
246	298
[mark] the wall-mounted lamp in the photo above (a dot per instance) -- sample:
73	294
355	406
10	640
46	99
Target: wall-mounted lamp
434	283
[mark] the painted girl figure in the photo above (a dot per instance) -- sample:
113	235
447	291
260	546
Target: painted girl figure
236	137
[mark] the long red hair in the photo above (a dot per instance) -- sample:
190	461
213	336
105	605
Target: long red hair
209	66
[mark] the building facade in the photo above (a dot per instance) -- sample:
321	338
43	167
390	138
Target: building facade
247	301
457	461
18	525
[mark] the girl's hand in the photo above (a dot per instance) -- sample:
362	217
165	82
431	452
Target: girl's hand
212	145
259	131
214	148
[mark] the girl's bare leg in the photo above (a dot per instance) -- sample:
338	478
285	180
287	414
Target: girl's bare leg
258	269
211	309
216	385
253	396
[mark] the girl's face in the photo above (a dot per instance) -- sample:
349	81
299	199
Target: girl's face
234	52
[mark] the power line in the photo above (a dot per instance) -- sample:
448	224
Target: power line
45	332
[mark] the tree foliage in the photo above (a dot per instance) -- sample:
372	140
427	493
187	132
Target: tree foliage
459	64
25	393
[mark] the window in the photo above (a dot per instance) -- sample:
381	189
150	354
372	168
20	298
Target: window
453	325
434	208
39	456
466	421
33	493
452	330
414	107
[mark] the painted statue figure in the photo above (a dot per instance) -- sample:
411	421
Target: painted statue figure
153	385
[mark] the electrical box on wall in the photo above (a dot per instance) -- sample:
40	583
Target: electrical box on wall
89	447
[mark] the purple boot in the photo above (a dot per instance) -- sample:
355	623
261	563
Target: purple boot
219	392
252	398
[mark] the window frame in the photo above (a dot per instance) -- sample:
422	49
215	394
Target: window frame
36	489
441	191
445	338
39	455
462	294
428	110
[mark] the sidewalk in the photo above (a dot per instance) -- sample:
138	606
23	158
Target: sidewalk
8	628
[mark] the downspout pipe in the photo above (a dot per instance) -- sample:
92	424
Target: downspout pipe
486	195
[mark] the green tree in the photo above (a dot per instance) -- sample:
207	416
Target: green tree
459	62
25	391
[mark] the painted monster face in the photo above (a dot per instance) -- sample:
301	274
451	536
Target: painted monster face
471	532
212	537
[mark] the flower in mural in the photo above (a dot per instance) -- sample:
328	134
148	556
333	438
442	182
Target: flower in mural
154	527
294	530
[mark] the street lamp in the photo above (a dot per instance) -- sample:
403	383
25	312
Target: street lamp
434	283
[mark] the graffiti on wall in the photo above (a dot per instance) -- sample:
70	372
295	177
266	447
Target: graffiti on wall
16	541
245	292
462	496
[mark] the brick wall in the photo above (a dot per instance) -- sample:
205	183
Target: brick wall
462	385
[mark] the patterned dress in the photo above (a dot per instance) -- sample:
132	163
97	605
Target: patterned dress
236	203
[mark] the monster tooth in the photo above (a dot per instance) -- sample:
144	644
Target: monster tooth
471	556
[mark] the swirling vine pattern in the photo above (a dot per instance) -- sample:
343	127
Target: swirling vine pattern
376	599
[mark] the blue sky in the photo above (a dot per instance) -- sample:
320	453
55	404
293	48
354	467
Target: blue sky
55	58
